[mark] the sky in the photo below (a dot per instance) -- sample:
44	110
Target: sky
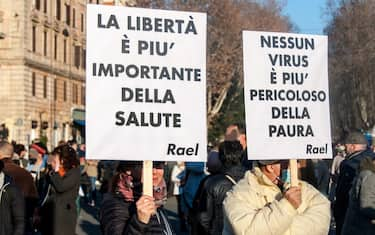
307	15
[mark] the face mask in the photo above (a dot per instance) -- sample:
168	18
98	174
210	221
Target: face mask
285	176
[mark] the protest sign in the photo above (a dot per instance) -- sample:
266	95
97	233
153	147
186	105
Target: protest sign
146	84
286	96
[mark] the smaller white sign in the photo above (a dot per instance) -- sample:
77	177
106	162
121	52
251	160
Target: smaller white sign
286	96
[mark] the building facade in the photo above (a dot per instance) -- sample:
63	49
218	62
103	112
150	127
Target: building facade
42	69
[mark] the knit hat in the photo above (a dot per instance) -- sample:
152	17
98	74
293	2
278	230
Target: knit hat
356	138
267	162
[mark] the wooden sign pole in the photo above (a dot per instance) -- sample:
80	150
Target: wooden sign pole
147	178
293	172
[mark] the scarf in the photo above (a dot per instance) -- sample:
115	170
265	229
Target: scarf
125	187
62	171
160	193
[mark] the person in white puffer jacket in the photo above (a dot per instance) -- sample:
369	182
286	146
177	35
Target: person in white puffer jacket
261	204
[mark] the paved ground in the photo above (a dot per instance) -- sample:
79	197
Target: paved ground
88	221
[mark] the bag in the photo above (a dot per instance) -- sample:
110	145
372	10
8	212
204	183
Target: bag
80	192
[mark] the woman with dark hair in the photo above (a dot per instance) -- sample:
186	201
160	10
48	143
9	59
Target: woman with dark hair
125	210
58	211
360	216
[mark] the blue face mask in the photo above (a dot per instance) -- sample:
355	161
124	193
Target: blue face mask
285	176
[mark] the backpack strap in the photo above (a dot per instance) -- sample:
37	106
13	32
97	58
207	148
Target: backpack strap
231	179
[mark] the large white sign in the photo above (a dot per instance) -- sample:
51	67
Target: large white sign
286	96
146	84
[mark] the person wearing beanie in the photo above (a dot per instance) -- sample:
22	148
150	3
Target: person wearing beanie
357	148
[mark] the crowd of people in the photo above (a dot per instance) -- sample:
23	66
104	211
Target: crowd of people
41	191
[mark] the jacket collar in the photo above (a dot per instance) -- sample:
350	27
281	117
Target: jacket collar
5	179
237	172
353	155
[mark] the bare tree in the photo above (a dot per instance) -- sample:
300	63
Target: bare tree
226	20
351	62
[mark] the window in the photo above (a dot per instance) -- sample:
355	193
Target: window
64	50
84	58
45	86
34	38
37	4
83	95
55	47
67	14
75	93
77	56
55	89
45	6
58	9
82	23
33	84
45	43
64	90
74	17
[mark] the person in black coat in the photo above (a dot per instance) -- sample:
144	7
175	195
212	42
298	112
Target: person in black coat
59	212
125	211
361	212
12	206
210	215
356	147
